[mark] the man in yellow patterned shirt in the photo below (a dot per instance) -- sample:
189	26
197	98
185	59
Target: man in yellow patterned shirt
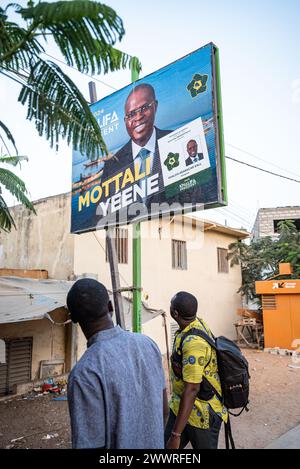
196	409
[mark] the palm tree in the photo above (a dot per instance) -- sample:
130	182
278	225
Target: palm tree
85	33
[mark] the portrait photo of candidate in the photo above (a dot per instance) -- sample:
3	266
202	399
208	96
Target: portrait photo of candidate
192	150
139	117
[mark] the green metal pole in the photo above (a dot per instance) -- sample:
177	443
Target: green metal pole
136	260
221	128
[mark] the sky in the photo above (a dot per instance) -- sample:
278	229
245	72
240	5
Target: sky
260	78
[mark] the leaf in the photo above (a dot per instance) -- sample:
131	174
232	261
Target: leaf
13	160
59	110
8	135
90	16
16	187
18	46
6	220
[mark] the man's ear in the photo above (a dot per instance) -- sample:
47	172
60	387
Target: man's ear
175	314
110	307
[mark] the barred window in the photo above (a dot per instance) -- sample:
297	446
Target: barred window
121	243
223	266
179	255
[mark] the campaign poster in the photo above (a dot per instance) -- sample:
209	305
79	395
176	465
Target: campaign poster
164	136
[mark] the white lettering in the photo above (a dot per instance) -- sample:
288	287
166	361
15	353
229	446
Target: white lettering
116	202
152	184
127	197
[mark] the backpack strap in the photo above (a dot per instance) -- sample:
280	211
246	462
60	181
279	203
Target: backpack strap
211	342
228	435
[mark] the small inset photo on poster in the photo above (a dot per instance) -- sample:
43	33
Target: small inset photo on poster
192	150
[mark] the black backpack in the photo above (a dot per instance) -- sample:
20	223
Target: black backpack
233	372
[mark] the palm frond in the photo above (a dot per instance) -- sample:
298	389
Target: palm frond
13	160
8	134
89	16
16	187
85	32
18	46
6	220
59	110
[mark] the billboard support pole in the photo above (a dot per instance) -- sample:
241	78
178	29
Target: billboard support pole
115	277
136	259
111	251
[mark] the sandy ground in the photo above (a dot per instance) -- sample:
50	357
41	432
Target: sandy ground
274	409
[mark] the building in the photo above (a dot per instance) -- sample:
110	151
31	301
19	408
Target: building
267	219
37	337
180	253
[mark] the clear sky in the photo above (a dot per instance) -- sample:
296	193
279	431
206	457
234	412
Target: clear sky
260	73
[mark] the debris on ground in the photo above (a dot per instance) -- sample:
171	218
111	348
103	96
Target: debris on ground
49	436
57	388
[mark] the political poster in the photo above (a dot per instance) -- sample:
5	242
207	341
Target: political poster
165	148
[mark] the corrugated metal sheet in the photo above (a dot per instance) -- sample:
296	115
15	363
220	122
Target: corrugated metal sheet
23	299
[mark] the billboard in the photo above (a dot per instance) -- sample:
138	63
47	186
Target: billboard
164	135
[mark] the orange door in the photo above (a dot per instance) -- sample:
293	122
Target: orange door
277	323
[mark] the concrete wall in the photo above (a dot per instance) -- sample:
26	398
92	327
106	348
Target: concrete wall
41	241
216	292
48	339
264	225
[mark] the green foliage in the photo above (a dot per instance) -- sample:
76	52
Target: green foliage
260	260
16	187
85	32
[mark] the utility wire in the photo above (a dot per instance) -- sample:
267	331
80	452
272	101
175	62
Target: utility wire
87	74
261	159
261	169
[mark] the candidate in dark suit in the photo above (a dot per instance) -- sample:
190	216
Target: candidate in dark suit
194	156
140	109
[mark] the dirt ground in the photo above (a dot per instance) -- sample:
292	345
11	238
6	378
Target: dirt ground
274	409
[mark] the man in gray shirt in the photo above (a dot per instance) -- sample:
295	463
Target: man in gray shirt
116	392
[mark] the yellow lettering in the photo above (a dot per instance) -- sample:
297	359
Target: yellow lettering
83	200
117	181
137	174
105	184
128	177
95	198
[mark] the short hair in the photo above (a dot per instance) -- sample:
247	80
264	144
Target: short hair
192	140
87	301
185	304
142	86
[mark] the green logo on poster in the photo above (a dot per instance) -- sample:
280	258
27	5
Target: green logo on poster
197	85
172	161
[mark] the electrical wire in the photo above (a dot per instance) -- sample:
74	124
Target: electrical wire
261	159
261	169
87	74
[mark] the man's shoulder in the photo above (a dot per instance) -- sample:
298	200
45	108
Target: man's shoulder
119	160
142	338
191	336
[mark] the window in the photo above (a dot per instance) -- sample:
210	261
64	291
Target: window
179	255
121	243
223	261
